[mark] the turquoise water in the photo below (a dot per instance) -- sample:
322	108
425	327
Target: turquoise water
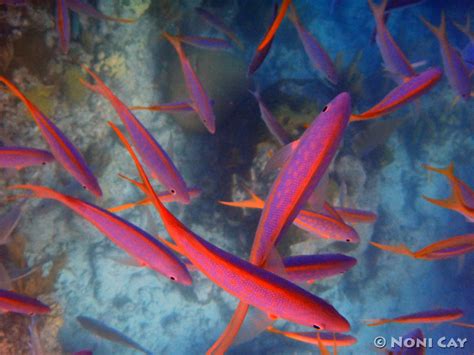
378	167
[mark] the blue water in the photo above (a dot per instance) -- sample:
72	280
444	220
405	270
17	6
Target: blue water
381	175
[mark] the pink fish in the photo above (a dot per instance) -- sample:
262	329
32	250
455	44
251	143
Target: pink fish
295	183
155	157
275	25
20	157
62	149
216	44
200	101
251	284
402	94
454	66
145	249
218	24
11	301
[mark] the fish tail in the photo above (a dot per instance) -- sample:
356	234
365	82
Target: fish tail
18	93
138	184
38	191
174	40
127	206
466	29
378	9
448	203
439	32
119	19
170	245
448	171
397	249
462	324
99	86
253	202
292	14
376	322
275	330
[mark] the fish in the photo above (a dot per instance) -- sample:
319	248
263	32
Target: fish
327	339
301	173
249	283
317	224
260	55
432	316
467	53
402	94
60	146
275	25
393	57
462	196
218	24
102	330
310	268
166	107
320	60
454	66
163	196
35	340
152	154
145	249
9	220
22	157
11	301
200	101
419	349
444	249
277	131
216	44
63	24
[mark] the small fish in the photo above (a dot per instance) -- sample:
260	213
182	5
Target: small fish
296	181
316	53
63	24
462	196
218	24
9	220
270	121
444	249
164	197
200	100
153	155
414	335
147	251
468	52
317	224
102	330
454	66
21	157
435	316
11	301
62	149
260	55
310	268
216	44
249	283
394	59
327	339
352	215
402	94
275	25
166	107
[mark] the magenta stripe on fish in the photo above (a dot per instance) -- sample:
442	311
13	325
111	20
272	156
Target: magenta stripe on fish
21	157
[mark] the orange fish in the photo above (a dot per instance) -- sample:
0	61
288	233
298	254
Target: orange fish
327	339
462	197
275	25
434	316
445	249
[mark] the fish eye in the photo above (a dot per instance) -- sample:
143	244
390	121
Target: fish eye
316	326
348	240
84	187
325	108
43	163
172	278
173	191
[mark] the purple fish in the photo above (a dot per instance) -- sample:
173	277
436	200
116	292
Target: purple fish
150	151
11	301
260	55
63	25
21	157
216	44
316	53
394	59
271	122
219	25
454	66
145	249
62	149
309	268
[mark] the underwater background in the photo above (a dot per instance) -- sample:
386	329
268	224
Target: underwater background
377	168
